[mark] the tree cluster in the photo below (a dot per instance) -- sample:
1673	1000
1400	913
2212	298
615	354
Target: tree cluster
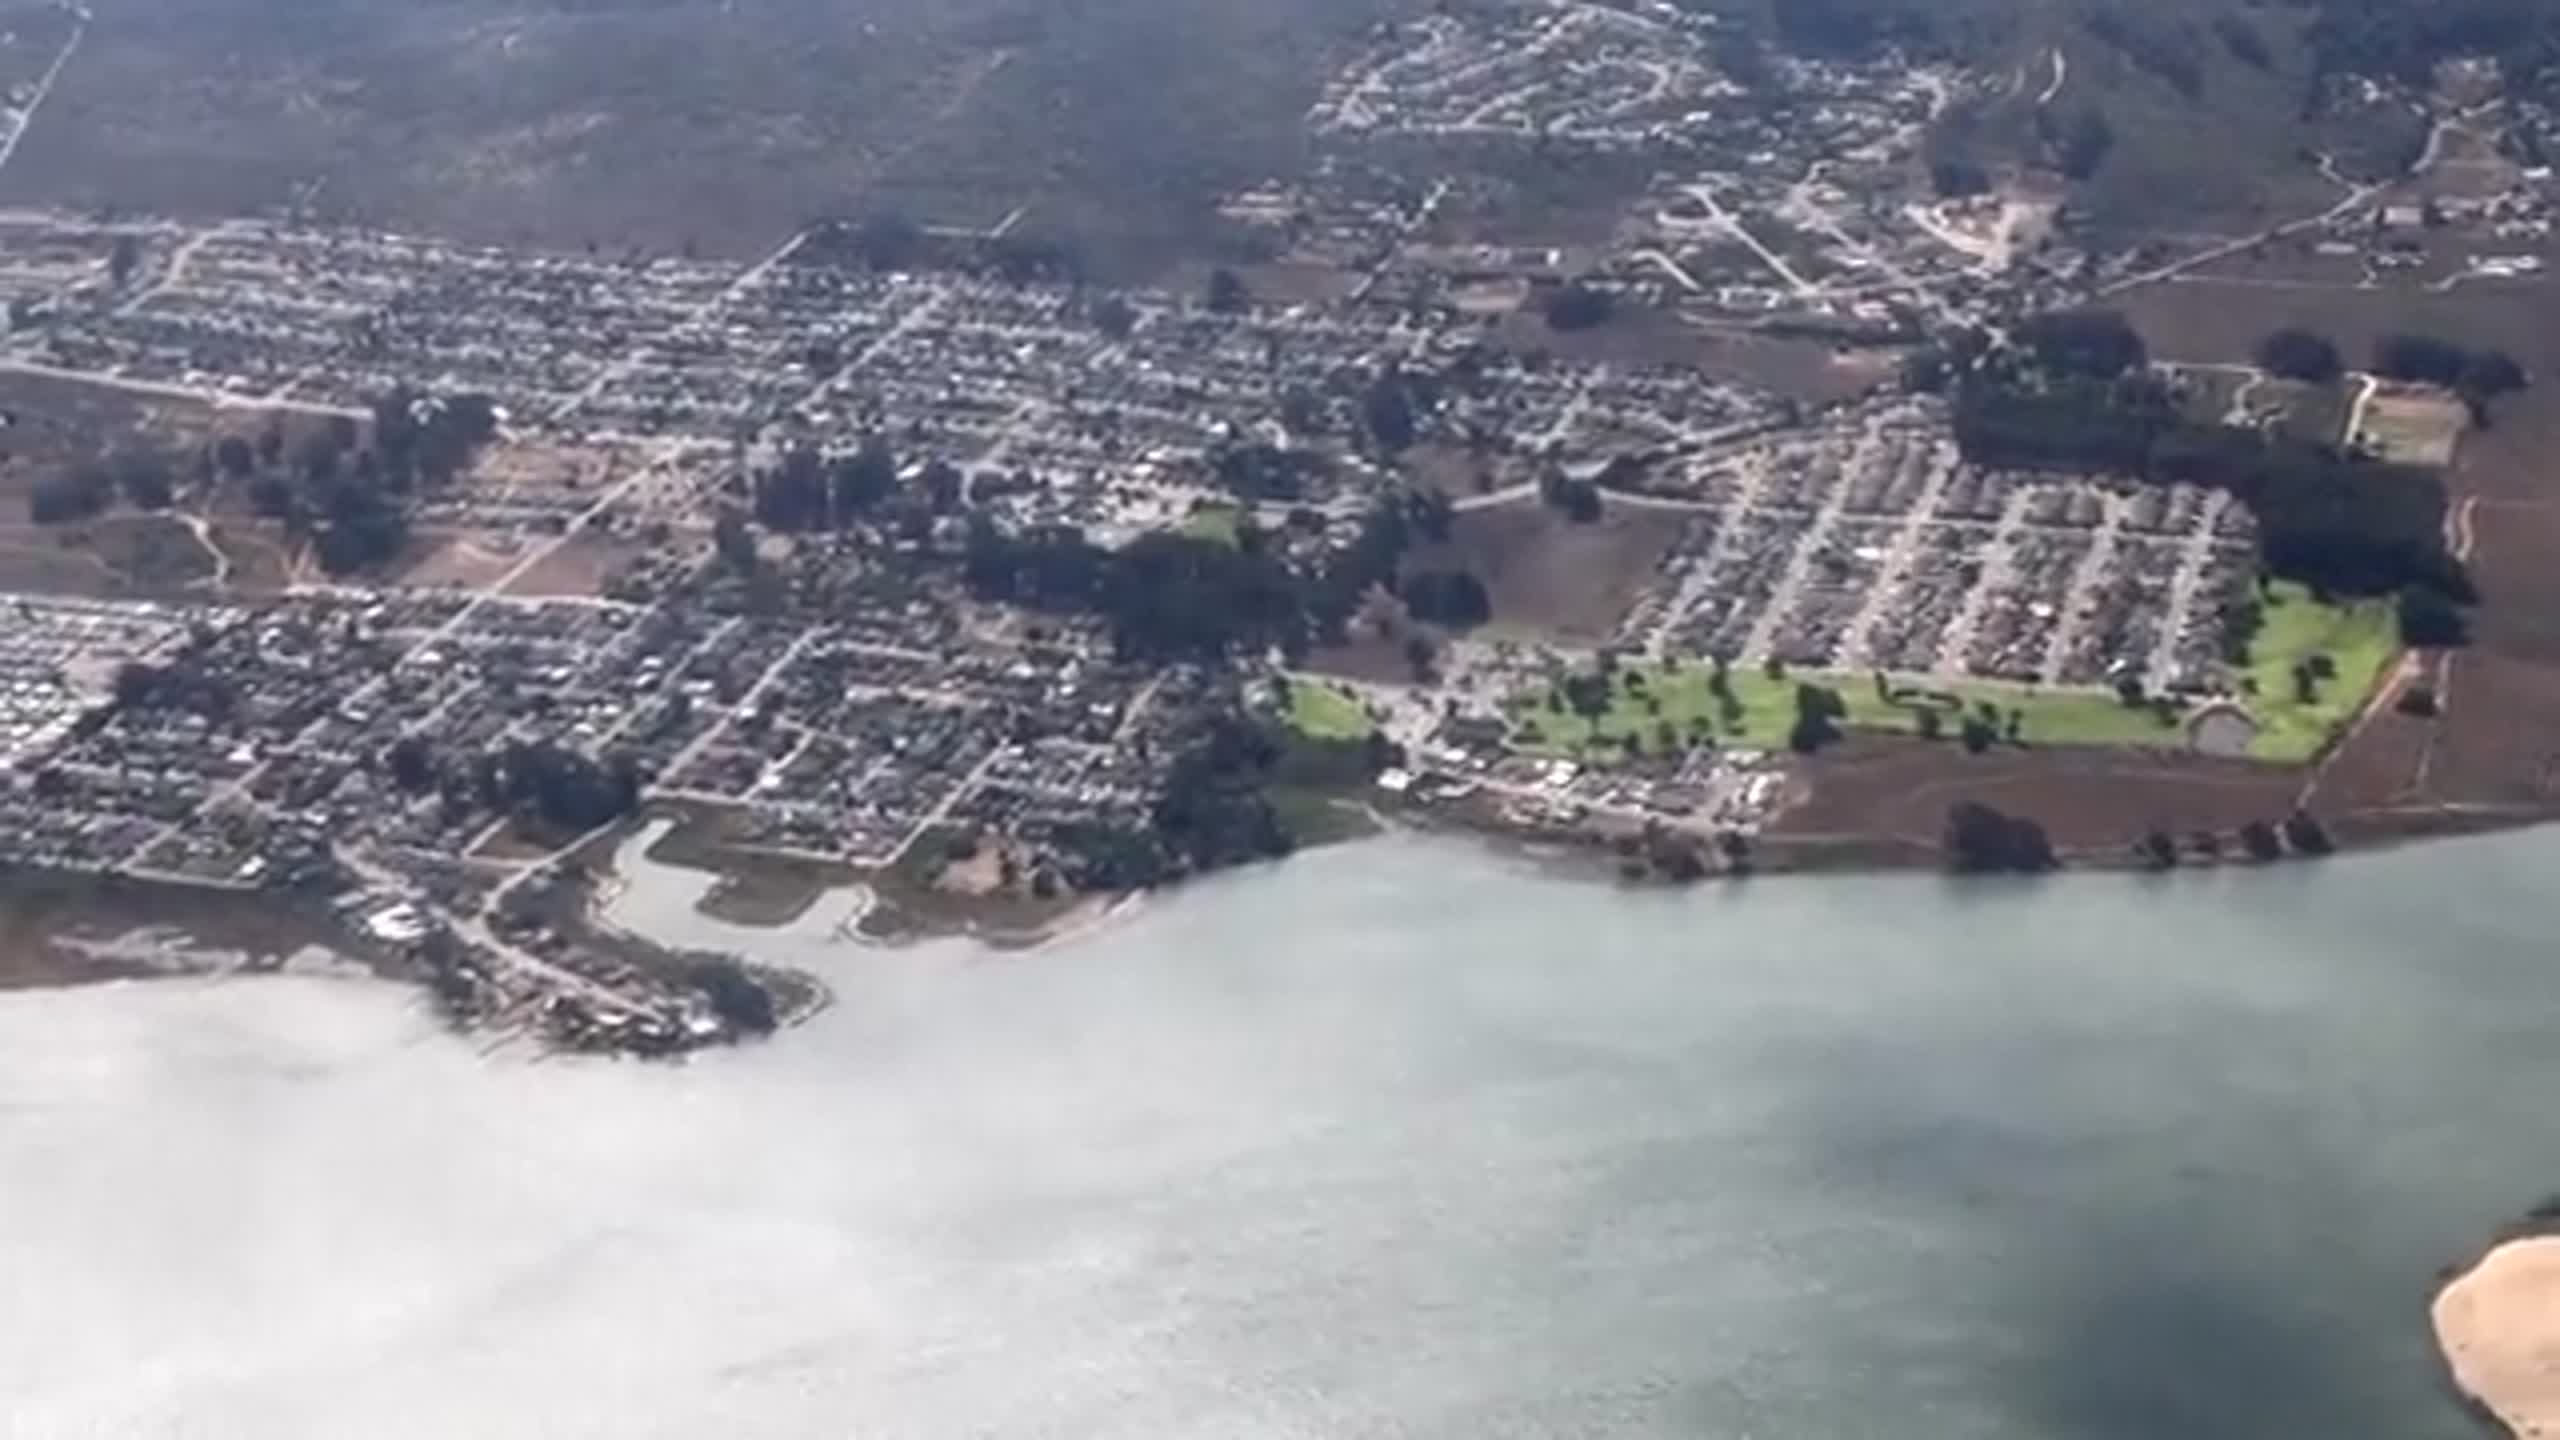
2479	376
2300	355
2082	344
1265	473
181	684
808	492
557	787
736	997
350	498
1578	306
1983	841
1166	597
1454	599
1215	812
146	479
423	439
2338	523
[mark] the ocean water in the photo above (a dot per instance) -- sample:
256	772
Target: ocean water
1402	1139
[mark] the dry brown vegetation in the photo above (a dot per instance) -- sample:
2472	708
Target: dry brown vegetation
1813	372
1549	575
718	127
2088	800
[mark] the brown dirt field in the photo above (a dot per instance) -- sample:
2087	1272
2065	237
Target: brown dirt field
36	562
1375	658
579	568
55	423
1277	282
2088	800
1553	577
1809	371
259	563
2221	321
454	559
2385	765
152	553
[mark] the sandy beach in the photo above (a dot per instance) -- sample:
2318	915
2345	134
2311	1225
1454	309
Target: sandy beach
2499	1327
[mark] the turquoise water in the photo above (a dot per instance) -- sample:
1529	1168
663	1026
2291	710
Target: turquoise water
1396	1140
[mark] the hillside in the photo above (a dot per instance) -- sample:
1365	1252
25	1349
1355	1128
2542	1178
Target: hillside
682	123
2171	112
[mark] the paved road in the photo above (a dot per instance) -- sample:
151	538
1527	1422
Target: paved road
44	87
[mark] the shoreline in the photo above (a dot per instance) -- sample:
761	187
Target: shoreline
2495	1322
81	921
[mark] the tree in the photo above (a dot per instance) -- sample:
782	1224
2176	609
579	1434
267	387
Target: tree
1452	598
1578	500
82	493
2085	145
732	541
1983	841
1578	306
2420	358
742	1004
1115	317
1978	734
1388	413
1434	516
944	487
147	479
2488	374
862	480
2086	344
235	457
2300	355
2306	835
412	764
564	789
1819	712
888	242
2430	620
1227	294
1958	179
2157	850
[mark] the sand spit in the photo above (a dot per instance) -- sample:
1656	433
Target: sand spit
2499	1326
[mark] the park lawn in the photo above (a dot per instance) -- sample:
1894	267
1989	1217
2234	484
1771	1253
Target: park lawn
2360	638
1684	699
1216	522
1320	712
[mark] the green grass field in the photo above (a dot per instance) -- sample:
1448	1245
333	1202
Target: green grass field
2360	639
1217	522
1682	699
1320	712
